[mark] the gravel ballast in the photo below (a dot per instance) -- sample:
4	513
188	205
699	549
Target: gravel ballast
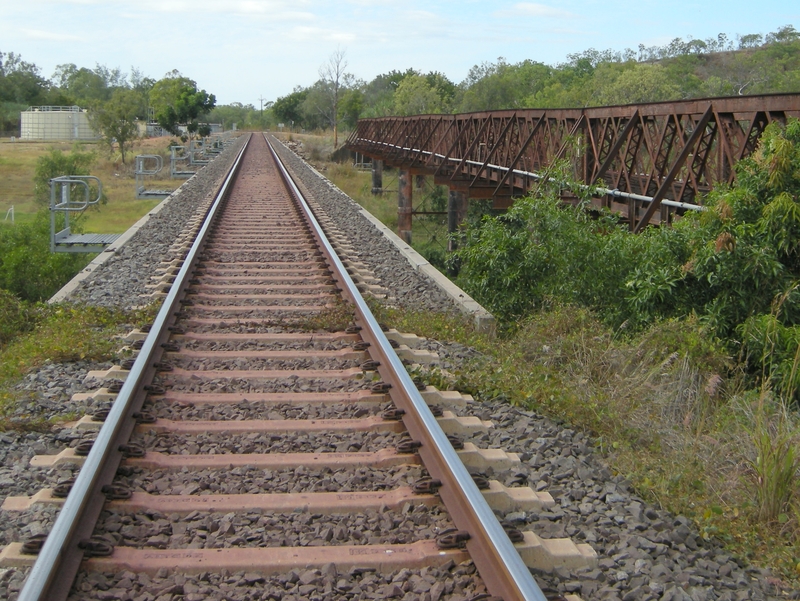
644	553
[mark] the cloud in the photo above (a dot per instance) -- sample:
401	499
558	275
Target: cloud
38	34
278	8
275	9
534	9
303	33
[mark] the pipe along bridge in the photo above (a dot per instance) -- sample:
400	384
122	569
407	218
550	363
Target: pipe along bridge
650	162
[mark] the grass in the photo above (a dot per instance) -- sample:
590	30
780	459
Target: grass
665	408
63	333
123	209
427	230
17	164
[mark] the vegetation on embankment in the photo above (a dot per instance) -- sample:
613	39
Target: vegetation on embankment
667	407
18	167
33	334
735	267
27	267
677	348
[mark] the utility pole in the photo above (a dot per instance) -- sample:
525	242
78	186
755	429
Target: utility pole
261	118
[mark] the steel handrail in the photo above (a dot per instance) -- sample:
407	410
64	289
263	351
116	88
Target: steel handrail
140	160
498	561
61	545
537	176
67	205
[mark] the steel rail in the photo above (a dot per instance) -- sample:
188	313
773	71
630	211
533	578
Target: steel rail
55	568
532	174
496	558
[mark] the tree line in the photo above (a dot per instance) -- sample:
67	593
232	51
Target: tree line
116	100
681	69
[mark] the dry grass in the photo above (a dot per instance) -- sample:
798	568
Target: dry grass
18	163
666	408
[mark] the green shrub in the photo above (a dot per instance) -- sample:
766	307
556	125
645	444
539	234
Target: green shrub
56	164
27	267
542	250
16	317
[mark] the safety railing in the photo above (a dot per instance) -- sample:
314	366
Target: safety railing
178	161
197	147
63	204
148	165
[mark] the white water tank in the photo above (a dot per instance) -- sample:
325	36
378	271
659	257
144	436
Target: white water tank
55	123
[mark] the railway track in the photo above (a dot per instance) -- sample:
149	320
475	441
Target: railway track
249	450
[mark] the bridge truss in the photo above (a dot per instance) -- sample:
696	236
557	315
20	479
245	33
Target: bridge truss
650	161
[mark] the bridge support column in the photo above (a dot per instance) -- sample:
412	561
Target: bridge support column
377	177
457	203
404	199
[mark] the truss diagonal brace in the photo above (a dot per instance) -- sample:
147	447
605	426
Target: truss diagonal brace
500	139
521	152
612	154
699	128
471	147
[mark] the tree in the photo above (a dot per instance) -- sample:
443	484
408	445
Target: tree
334	79
351	106
287	108
177	102
751	40
787	33
315	110
640	83
502	86
378	95
20	81
56	164
234	113
416	96
142	85
87	86
115	120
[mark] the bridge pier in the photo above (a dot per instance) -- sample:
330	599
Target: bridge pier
377	176
404	199
457	204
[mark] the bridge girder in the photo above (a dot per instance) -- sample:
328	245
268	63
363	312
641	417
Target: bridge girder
666	151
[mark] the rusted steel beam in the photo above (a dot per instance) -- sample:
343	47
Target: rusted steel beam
634	151
694	138
621	139
521	151
404	205
377	176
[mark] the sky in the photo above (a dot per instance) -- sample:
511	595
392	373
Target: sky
252	50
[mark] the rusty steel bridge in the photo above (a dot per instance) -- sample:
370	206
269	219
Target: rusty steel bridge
649	162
